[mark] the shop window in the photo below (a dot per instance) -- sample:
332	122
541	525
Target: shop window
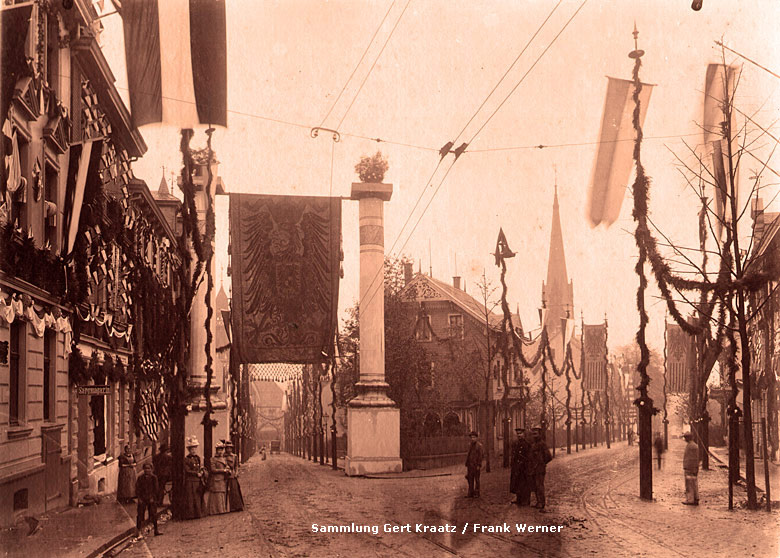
21	499
49	374
17	374
98	412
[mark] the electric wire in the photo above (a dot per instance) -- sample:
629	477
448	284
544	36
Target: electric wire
362	83
368	46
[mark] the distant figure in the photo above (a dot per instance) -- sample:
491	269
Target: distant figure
474	465
146	490
125	490
540	457
659	448
193	472
235	500
519	480
691	470
262	452
630	436
163	463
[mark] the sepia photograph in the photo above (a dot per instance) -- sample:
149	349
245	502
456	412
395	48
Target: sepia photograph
394	278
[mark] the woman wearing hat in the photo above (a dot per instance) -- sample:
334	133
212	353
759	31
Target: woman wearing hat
235	499
192	483
216	496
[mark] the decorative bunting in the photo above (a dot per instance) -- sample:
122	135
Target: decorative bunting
594	370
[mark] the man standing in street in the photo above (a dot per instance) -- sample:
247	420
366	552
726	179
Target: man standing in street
659	448
540	457
146	491
474	465
519	481
691	470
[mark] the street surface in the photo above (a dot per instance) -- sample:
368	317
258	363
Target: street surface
592	500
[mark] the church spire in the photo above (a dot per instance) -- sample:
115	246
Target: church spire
557	291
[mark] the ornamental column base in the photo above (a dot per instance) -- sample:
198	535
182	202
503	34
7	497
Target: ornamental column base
373	439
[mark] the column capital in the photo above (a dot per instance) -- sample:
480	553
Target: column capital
379	190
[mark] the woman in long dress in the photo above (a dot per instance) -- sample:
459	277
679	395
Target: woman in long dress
125	490
216	496
192	483
235	499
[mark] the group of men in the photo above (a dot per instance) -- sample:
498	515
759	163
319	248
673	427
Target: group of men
530	457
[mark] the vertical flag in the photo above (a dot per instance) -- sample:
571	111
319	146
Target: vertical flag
176	53
84	165
678	358
719	85
594	370
614	158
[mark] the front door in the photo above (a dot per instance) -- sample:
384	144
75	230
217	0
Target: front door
52	452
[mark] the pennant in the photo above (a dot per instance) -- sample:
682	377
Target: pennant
176	53
614	158
502	247
594	368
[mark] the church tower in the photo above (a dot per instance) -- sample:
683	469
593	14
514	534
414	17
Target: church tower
557	291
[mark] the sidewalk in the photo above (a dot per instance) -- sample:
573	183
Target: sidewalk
71	533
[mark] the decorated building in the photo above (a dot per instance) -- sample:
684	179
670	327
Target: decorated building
67	139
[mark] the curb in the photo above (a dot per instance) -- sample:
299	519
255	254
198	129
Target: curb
115	541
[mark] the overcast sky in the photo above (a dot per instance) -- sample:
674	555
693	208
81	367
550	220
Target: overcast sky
288	60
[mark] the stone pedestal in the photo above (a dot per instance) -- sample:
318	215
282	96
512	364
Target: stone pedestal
373	421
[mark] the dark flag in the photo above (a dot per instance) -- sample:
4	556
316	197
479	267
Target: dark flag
285	269
679	352
594	369
502	247
176	53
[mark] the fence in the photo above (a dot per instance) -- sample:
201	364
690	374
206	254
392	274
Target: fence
433	452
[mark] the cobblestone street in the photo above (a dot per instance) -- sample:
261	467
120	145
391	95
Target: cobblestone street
591	494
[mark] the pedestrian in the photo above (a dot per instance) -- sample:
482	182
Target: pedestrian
234	498
146	490
474	464
163	463
125	490
193	473
630	436
540	457
216	497
659	448
519	482
691	470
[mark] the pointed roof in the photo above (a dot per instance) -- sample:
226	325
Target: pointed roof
221	301
557	291
162	192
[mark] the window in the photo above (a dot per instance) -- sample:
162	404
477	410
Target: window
49	374
456	326
16	380
52	51
423	330
50	209
18	213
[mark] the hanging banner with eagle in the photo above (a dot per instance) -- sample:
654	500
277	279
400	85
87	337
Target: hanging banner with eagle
680	354
285	258
594	369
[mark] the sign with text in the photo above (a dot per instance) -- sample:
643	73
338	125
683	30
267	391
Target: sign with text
93	390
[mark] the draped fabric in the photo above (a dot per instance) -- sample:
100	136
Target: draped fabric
680	353
285	255
594	369
274	372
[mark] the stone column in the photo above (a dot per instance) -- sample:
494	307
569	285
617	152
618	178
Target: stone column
373	421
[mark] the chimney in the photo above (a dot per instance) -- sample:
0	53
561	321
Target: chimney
456	281
408	272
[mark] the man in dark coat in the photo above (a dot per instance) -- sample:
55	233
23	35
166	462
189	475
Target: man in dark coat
658	443
519	481
474	465
163	462
691	470
146	493
540	457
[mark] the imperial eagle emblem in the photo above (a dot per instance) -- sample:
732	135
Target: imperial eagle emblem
285	269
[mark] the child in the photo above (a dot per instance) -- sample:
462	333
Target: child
146	491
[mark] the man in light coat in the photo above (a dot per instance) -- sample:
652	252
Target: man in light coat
691	470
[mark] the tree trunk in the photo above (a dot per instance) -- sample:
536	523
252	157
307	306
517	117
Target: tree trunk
750	473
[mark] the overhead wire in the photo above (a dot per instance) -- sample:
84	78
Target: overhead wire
368	46
362	83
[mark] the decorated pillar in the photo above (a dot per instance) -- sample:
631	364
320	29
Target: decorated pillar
373	439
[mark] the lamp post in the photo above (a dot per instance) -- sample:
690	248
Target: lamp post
564	334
